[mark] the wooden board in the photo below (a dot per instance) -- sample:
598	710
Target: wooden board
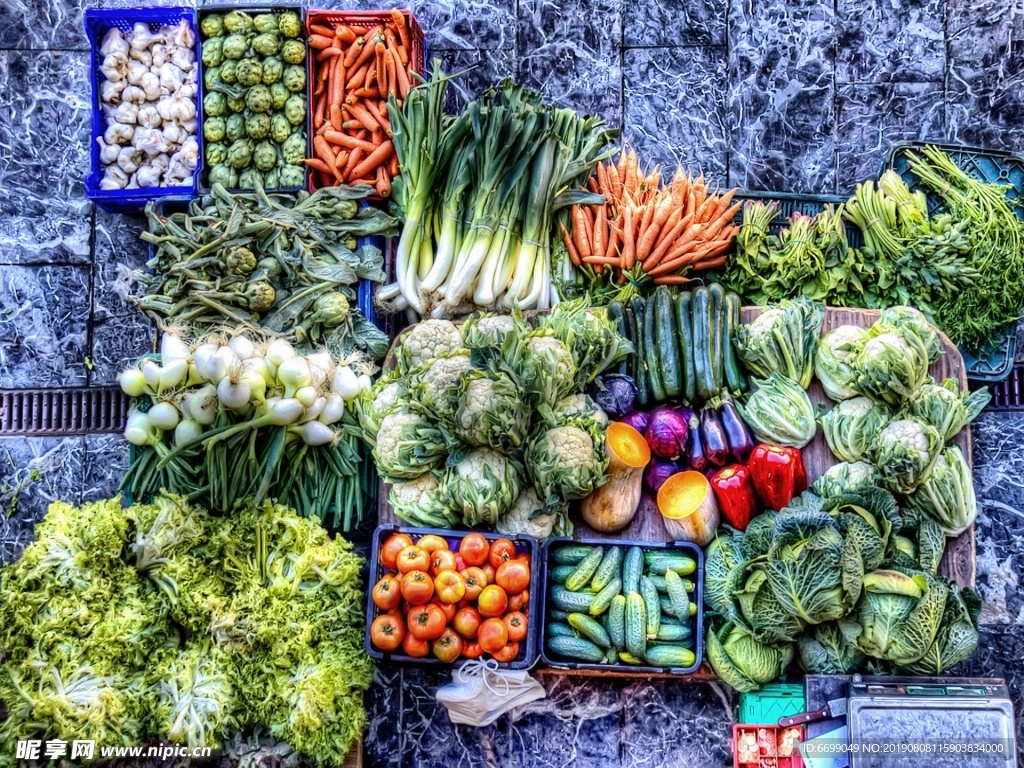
354	758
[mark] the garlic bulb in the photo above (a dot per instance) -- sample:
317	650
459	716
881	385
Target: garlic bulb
191	125
128	159
110	91
119	133
150	84
174	133
148	176
108	152
114	43
150	141
171	78
114	66
141	38
149	117
184	59
161	54
144	56
183	36
133	182
126	113
134	95
113	178
136	71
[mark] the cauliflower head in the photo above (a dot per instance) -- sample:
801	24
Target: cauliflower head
846	477
429	339
529	515
905	453
408	444
488	330
492	412
435	380
420	502
580	405
544	364
566	463
852	426
483	486
890	367
373	403
831	361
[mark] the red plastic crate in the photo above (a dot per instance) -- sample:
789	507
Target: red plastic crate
362	19
768	752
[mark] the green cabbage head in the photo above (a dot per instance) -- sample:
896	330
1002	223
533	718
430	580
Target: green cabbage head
946	408
831	362
743	662
852	425
899	614
947	496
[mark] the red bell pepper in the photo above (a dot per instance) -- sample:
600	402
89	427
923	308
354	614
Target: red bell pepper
735	494
778	474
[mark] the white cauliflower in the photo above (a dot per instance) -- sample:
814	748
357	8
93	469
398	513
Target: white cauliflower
492	412
580	405
831	362
420	502
407	445
905	453
565	464
430	339
436	378
482	486
529	515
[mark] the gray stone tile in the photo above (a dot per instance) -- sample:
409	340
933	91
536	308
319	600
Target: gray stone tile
118	250
891	41
43	326
674	22
43	25
116	343
476	70
383	739
104	463
675	108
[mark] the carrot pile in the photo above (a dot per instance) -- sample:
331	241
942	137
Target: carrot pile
357	69
648	231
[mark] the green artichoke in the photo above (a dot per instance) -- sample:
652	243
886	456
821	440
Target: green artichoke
293	51
295	109
273	68
223	174
235	46
266	44
216	152
211	25
289	24
214	128
265	23
211	77
248	179
293	176
294	148
258	99
235	128
236	104
212	52
279	95
238	22
240	261
214	105
239	154
249	72
280	128
257	127
265	155
294	78
229	72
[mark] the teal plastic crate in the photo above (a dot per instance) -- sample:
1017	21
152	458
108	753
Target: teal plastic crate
773	701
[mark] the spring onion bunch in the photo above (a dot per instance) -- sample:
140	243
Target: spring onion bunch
478	194
225	419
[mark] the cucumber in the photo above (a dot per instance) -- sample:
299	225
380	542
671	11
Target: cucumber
603	599
560	629
652	608
628	658
652	354
659	582
571	554
667	655
677	594
636	624
556	614
575	648
734	378
669	610
632	569
618	316
659	561
700	317
643	391
569	601
585	569
560	573
668	345
684	328
717	295
608	569
590	629
673	632
615	621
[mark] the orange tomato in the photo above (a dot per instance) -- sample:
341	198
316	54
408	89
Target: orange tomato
519	602
387	632
442	560
426	622
492	601
432	543
467	622
450	587
417	588
489	571
492	635
413	558
516	623
387	593
448	646
448	609
512	576
389	550
501	550
475	580
460	564
415	646
472	650
474	549
523	557
506	654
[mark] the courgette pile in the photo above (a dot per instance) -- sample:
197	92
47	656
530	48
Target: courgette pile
615	605
683	342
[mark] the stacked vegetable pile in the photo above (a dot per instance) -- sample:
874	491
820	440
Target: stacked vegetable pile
283	266
478	196
486	424
163	621
254	119
149	94
225	420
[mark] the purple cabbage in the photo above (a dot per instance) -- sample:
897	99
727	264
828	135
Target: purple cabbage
615	393
637	420
660	470
666	433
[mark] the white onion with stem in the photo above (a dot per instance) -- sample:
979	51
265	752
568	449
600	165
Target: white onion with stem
187	431
133	383
220	364
164	416
313	433
345	382
151	373
202	404
258	366
365	382
307	395
140	431
333	410
233	390
293	374
313	411
172	348
201	358
278	351
320	366
172	374
242	347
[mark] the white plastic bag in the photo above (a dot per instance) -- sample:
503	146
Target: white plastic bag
480	692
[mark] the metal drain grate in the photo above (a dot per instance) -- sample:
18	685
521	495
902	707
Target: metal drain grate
58	412
1008	394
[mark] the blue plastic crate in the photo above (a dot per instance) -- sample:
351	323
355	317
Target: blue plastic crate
788	203
97	22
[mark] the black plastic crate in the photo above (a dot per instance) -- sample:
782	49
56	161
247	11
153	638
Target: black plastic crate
688	548
1008	394
788	203
524	543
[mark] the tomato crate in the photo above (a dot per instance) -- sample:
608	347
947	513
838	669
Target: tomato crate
773	750
788	203
98	21
551	546
523	543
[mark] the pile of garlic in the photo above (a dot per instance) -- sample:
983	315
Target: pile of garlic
149	92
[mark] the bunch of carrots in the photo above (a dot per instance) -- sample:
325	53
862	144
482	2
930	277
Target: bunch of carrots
647	231
358	68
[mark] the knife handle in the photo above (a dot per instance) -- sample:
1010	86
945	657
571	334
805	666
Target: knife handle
804	717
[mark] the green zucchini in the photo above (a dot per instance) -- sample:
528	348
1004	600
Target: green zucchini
575	648
618	316
615	621
652	353
684	329
608	569
636	624
590	629
674	632
643	391
603	599
560	629
632	569
677	594
560	573
628	658
669	610
571	554
585	570
652	608
667	655
567	600
734	378
668	345
717	295
658	561
659	582
700	317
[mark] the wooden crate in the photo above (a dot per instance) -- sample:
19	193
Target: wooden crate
354	759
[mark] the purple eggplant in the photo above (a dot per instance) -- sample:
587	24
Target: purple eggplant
716	447
695	454
741	442
666	433
660	470
637	420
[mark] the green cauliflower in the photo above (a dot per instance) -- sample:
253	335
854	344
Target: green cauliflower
420	502
434	383
852	426
905	452
427	340
545	366
407	444
491	412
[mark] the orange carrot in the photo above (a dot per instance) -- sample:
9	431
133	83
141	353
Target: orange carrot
361	114
579	231
354	50
569	245
648	217
345	34
383	182
600	241
380	53
650	234
317	165
328	53
356	77
355	156
393	167
713	263
389	83
320	111
401	76
374	110
601	260
621	167
334	110
320	29
349	142
324	152
366	53
669	239
320	42
614	238
380	155
671	280
403	35
592	185
628	241
341	158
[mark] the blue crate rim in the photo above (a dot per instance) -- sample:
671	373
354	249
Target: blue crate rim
527	654
698	555
119	200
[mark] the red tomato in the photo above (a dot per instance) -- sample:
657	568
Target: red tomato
474	549
448	646
467	622
501	550
448	609
520	601
414	646
387	632
489	572
417	587
460	564
394	544
523	557
442	560
432	543
516	623
493	635
426	622
450	587
492	601
413	558
506	654
387	593
475	580
472	650
512	576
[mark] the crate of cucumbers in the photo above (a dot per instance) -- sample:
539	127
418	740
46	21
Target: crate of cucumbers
624	605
